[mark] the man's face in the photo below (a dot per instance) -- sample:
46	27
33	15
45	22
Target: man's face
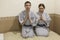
41	9
27	6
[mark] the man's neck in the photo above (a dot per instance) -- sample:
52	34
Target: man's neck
27	11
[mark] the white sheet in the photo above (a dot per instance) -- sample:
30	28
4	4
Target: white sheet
1	36
17	36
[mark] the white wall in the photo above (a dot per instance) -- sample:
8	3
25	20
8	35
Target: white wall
57	7
50	5
13	7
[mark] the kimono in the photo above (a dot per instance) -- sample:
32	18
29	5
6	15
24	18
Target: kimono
42	28
27	31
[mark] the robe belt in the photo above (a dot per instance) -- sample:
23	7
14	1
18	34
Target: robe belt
27	25
41	25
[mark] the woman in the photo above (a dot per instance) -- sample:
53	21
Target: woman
42	28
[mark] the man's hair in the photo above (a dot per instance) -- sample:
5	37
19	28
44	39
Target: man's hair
27	2
41	5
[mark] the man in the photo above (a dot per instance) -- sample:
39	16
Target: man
42	28
27	19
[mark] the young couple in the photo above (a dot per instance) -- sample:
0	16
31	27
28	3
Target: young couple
31	22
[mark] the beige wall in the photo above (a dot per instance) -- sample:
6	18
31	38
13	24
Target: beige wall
12	24
57	23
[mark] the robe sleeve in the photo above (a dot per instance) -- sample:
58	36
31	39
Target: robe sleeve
21	17
48	20
34	19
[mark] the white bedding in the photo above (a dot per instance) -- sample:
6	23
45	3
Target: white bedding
1	36
17	36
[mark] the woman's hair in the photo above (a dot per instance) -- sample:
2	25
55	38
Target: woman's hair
41	5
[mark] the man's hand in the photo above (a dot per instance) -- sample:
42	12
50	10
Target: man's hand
41	18
30	21
29	18
24	21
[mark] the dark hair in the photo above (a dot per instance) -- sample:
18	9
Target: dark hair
27	2
42	5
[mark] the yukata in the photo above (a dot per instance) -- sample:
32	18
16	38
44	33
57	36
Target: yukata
27	28
42	27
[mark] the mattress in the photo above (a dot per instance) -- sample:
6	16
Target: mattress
17	36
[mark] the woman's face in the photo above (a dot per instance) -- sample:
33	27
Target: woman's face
41	9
